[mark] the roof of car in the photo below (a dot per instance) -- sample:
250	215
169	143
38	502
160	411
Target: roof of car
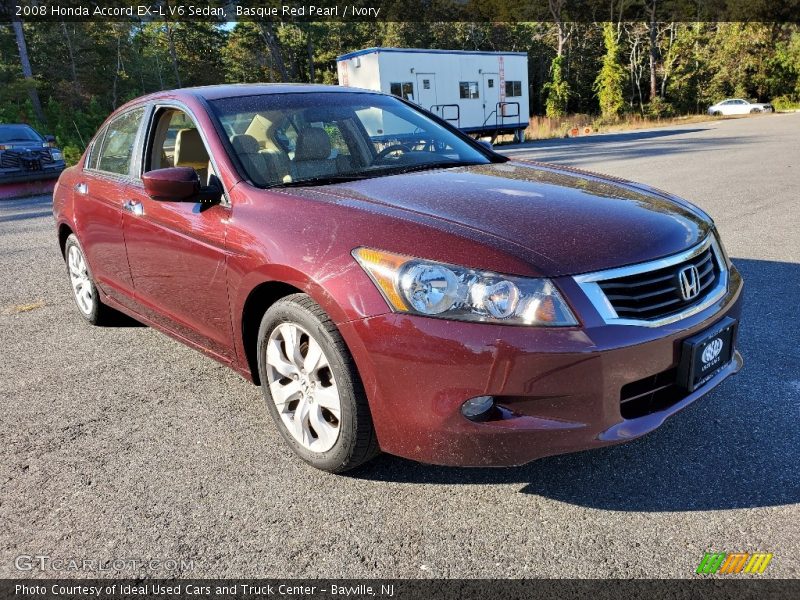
215	92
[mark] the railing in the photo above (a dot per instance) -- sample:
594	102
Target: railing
500	115
439	109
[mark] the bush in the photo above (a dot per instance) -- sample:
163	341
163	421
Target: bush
658	108
785	103
72	154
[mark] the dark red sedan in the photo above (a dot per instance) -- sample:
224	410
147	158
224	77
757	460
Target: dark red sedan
392	284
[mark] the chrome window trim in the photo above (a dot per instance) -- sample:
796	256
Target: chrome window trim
589	284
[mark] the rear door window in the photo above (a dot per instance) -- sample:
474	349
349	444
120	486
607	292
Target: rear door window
116	151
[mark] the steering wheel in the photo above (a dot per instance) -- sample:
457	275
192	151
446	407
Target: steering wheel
393	148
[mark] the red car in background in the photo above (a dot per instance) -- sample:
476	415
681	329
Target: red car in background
392	284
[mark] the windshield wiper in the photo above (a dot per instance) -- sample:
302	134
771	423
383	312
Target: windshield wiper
314	181
429	166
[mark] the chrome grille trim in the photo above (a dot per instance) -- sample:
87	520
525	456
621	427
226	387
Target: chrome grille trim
589	283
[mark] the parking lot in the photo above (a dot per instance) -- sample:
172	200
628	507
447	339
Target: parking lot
120	443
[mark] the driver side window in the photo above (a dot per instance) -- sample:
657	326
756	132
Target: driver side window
176	142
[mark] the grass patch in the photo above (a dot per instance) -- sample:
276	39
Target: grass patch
23	308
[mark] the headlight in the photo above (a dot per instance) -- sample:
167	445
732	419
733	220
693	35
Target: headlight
435	289
56	154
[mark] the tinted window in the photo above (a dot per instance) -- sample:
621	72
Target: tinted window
18	133
116	151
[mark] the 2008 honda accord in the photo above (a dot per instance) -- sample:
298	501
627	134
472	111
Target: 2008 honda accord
392	284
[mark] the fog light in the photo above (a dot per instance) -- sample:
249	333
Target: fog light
478	408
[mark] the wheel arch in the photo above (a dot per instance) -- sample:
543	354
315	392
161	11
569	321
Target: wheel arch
64	231
260	298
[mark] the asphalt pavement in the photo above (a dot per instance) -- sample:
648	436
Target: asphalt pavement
121	444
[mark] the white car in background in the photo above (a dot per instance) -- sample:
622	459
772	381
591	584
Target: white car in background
737	106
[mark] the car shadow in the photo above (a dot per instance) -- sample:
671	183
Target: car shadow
619	146
601	138
23	216
118	319
738	447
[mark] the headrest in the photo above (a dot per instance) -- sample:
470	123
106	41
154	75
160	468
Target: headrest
245	144
190	150
313	143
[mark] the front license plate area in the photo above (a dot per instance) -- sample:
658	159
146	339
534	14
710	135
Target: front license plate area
703	355
31	164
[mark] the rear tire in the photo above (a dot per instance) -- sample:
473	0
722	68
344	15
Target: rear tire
84	290
312	388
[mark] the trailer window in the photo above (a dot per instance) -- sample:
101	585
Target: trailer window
404	90
468	89
513	89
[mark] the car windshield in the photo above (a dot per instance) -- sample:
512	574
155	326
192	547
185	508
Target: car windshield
18	133
329	137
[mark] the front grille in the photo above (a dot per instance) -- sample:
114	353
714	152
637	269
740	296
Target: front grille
656	294
651	394
14	159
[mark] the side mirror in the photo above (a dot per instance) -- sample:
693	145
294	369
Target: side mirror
50	138
174	184
485	144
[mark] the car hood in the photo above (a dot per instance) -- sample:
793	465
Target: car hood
561	220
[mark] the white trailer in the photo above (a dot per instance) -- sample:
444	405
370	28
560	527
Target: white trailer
481	93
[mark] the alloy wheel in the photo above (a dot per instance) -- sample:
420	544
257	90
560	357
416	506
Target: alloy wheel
303	387
81	282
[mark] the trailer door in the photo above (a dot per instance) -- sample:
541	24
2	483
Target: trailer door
426	90
491	96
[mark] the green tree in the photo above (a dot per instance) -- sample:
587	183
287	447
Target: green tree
558	91
611	78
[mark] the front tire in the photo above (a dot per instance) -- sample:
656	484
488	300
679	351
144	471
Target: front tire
312	387
84	290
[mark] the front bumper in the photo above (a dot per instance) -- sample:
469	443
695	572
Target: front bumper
16	175
559	388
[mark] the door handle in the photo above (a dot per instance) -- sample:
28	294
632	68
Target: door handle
81	188
134	206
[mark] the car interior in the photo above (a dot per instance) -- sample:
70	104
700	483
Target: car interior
178	143
284	146
280	146
277	149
